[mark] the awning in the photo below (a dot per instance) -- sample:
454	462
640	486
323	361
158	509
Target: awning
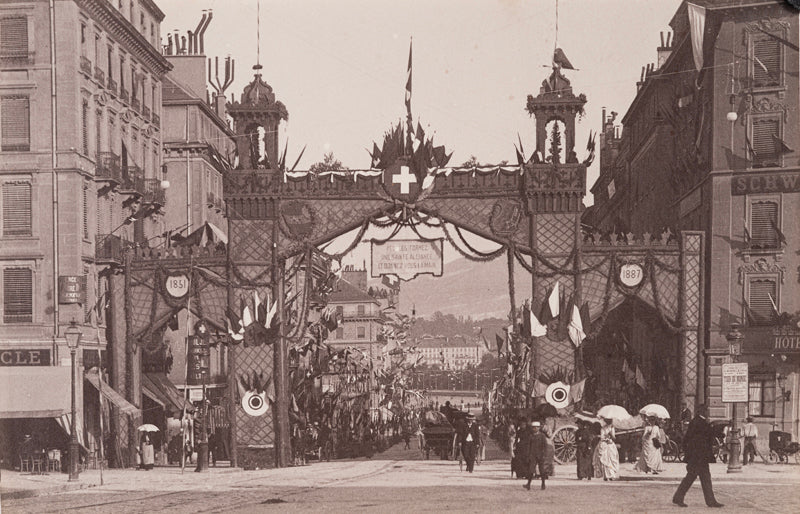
114	397
158	387
35	391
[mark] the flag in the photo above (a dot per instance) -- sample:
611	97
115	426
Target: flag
485	342
781	146
774	305
390	281
628	372
781	237
586	319
376	155
551	307
590	147
539	388
697	26
576	391
639	377
560	60
780	39
247	318
410	124
536	328
576	333
747	237
500	343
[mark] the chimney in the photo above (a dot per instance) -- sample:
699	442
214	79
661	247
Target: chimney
664	51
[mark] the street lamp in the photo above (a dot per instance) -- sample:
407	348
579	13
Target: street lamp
782	385
734	338
73	337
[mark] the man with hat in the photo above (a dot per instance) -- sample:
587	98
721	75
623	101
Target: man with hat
536	454
750	433
470	438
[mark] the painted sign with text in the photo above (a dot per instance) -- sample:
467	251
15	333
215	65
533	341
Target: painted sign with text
734	382
785	182
407	258
22	357
71	289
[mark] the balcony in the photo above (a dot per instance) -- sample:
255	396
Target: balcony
108	167
111	249
86	66
153	192
123	94
112	86
146	113
132	180
135	104
211	198
99	75
156	120
16	58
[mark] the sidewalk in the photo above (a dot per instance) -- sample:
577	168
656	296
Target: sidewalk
15	485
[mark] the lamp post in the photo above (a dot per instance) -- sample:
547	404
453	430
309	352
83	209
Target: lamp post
202	453
782	384
734	338
73	337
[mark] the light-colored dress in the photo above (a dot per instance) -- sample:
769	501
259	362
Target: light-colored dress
606	456
650	458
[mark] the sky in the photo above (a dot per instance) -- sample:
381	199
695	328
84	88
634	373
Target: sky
340	66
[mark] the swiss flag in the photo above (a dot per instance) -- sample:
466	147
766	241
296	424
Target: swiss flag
400	181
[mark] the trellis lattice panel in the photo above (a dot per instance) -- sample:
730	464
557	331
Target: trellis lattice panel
552	354
475	215
251	242
668	288
690	367
594	283
692	290
544	284
255	431
555	233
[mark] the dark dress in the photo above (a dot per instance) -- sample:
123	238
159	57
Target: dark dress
520	464
585	449
537	456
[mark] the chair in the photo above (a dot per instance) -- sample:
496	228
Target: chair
38	462
54	460
24	462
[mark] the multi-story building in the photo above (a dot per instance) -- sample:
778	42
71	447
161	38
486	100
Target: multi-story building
450	352
716	150
359	313
80	175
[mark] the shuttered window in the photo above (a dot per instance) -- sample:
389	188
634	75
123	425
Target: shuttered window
765	146
98	127
17	295
17	209
85	212
15	130
14	38
766	62
763	223
763	292
85	127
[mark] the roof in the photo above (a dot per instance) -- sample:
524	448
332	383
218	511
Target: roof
345	292
444	342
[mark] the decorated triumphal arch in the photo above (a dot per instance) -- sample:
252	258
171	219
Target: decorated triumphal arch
278	219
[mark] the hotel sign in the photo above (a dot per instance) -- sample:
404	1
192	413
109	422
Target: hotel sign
407	258
782	339
785	182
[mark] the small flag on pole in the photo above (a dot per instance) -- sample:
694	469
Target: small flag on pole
575	329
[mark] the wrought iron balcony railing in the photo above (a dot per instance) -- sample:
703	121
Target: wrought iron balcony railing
132	180
86	65
111	248
108	167
153	192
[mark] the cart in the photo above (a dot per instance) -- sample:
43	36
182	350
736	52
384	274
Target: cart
438	434
781	447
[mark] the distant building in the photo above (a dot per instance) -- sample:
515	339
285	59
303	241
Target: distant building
450	352
360	315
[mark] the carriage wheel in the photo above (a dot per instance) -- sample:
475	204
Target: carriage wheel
565	445
671	451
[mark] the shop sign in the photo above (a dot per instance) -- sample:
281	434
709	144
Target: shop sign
407	258
71	289
631	274
20	357
735	386
177	285
785	182
783	339
198	360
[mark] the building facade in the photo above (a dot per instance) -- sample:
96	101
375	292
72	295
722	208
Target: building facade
80	173
450	352
716	150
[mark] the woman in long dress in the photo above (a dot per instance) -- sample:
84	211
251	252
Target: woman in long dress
606	457
584	439
650	457
148	455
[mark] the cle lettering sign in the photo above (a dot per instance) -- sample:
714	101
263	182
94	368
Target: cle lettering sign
25	357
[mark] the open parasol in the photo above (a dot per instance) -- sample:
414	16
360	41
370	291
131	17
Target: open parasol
613	412
545	410
587	416
147	427
654	409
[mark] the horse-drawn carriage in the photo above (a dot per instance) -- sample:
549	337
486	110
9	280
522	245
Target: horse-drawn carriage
438	434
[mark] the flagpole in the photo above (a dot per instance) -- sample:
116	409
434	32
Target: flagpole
409	120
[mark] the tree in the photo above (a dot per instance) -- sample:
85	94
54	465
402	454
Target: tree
329	163
472	162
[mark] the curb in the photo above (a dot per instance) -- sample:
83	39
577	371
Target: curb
20	494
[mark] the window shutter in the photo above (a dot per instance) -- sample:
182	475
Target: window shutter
97	132
17	295
760	302
15	123
14	37
85	127
765	130
17	209
766	62
763	220
85	212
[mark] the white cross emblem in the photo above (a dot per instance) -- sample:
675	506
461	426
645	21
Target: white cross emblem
405	178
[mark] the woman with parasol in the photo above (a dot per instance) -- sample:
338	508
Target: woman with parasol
650	457
606	457
146	451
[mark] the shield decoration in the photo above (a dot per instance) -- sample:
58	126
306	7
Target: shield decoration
400	181
297	219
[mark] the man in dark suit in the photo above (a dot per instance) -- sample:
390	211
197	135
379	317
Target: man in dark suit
469	440
698	445
536	454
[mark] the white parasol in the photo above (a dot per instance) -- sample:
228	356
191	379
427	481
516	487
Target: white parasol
613	412
654	409
147	427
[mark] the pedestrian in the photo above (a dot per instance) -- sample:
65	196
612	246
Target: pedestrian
469	440
407	438
698	446
484	429
536	455
685	417
420	437
147	453
650	455
606	456
750	436
520	464
583	440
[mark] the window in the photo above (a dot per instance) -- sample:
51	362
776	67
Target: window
361	310
15	130
340	333
83	39
85	211
13	39
17	209
764	223
766	145
85	127
17	295
361	332
339	311
762	300
122	72
761	397
766	63
109	61
98	126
